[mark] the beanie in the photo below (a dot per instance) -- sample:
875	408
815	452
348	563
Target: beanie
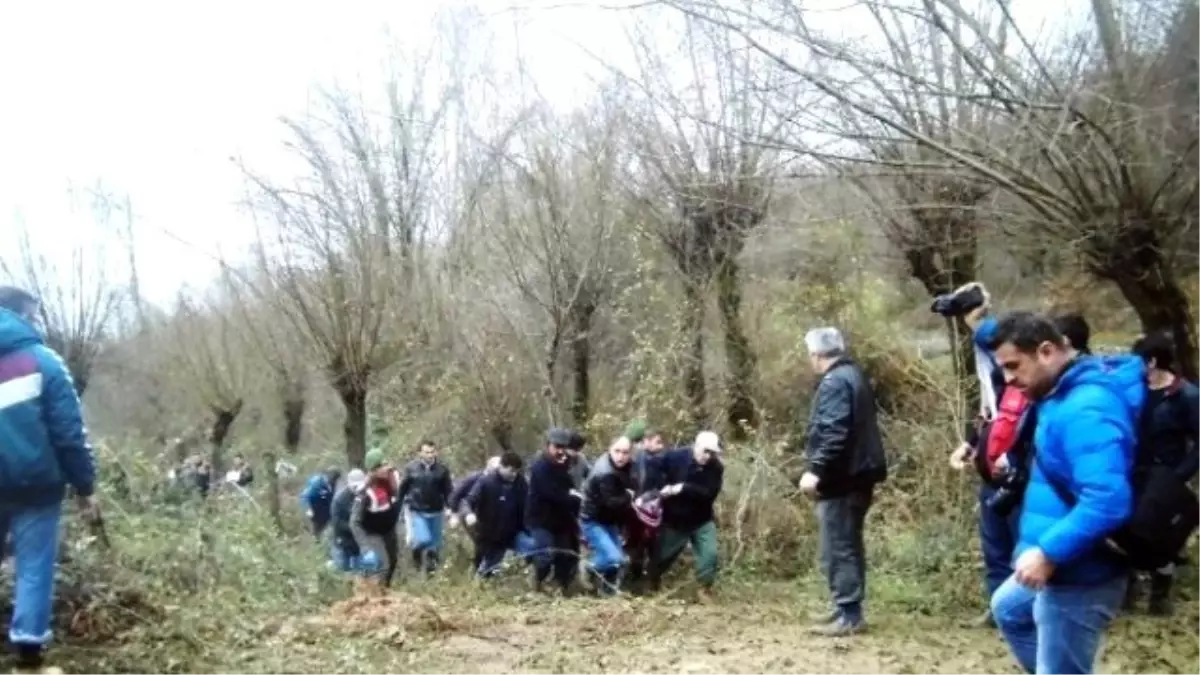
374	459
636	431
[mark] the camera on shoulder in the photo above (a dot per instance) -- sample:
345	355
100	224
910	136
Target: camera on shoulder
960	302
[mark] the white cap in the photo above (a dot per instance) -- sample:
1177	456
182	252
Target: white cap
356	478
707	440
825	342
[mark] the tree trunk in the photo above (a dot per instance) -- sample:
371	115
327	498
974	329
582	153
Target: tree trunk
354	427
581	357
741	413
693	374
223	419
293	414
502	432
1162	305
273	500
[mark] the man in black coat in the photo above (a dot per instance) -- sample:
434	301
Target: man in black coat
845	461
494	512
552	513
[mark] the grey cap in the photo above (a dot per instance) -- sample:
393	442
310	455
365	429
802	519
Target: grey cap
559	436
17	300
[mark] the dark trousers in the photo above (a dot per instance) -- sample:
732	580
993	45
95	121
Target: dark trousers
843	552
997	540
557	552
318	526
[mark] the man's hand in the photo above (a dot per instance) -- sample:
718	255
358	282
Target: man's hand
89	508
308	514
453	522
1002	462
975	316
576	494
671	490
471	520
1033	569
962	456
808	483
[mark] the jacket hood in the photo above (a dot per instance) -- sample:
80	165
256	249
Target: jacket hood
16	333
1123	375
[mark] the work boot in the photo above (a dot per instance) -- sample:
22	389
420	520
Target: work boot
706	595
1132	591
30	659
1160	594
842	627
985	620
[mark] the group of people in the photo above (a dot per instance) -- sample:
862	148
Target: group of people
194	474
636	508
1061	437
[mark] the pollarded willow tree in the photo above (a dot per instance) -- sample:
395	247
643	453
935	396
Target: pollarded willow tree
346	254
547	218
210	351
1100	142
705	180
79	300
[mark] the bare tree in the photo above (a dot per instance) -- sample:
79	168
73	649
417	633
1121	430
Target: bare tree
350	234
1101	135
210	351
547	218
79	300
707	179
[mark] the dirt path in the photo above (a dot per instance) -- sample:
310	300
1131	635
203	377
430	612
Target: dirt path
403	633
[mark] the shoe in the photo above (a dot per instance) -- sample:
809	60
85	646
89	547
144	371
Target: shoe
1160	595
842	627
1132	592
826	618
706	596
985	620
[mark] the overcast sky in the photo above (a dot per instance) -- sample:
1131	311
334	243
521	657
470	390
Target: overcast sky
153	98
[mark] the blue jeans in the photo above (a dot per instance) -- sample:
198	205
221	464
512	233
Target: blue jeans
608	554
35	549
489	558
426	530
1057	629
997	539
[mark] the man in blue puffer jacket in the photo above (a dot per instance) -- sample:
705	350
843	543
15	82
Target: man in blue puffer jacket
1065	589
43	448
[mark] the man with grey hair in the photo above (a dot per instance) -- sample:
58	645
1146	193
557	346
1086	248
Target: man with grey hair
845	460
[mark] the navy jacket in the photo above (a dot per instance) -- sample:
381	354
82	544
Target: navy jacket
550	505
499	506
462	488
702	483
342	506
1168	428
647	471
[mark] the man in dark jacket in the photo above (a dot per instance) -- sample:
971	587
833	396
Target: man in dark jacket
43	449
845	461
494	511
552	511
463	487
694	478
344	551
425	489
317	499
641	541
606	510
1167	436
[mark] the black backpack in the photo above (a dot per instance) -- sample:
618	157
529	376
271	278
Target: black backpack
1165	514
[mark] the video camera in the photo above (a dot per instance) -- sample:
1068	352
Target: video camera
960	302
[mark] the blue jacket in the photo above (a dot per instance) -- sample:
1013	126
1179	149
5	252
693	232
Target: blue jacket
1085	440
318	497
43	442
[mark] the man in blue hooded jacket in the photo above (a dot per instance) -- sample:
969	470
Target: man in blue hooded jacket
1065	589
317	499
43	448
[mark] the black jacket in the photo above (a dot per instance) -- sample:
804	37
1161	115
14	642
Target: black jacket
462	488
606	493
845	449
702	483
499	507
550	505
426	488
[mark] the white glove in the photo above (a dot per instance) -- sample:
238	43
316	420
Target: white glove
454	522
576	494
308	514
808	482
471	519
961	456
671	490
